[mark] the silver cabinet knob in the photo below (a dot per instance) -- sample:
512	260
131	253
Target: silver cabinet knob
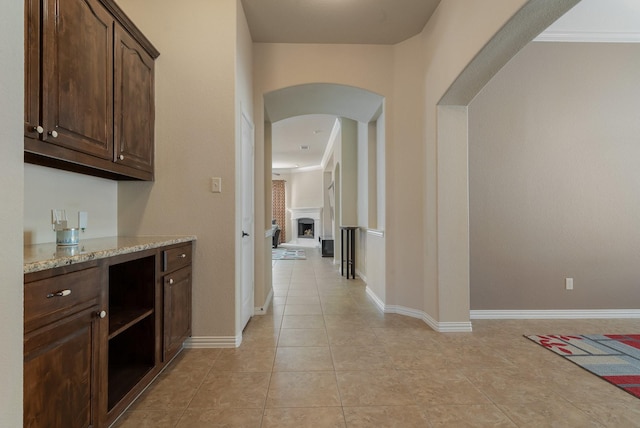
170	280
183	255
102	314
39	129
54	134
121	157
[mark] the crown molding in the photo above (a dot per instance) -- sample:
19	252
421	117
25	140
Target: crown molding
588	37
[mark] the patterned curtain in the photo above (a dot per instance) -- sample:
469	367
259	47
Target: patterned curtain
279	209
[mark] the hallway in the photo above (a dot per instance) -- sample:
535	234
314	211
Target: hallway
326	357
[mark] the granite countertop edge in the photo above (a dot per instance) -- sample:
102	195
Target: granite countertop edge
40	257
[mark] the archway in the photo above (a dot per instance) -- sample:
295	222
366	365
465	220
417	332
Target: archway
356	109
452	205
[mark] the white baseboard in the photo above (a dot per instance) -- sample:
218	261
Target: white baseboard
202	342
361	276
265	307
441	327
554	314
379	303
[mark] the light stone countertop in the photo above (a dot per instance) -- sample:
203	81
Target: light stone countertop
48	256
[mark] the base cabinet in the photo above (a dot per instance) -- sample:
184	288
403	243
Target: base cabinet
177	321
60	381
62	346
97	333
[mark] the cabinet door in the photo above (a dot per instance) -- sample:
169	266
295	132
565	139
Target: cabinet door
31	68
134	103
60	375
77	67
177	310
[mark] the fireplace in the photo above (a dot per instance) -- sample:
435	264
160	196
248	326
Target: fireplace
305	228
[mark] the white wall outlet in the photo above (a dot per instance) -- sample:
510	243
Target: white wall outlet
216	185
568	283
83	219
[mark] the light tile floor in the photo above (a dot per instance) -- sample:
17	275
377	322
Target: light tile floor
326	357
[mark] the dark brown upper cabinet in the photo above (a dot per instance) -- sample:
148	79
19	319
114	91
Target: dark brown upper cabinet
89	89
134	103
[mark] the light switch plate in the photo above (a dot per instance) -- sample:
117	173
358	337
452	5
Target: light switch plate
216	185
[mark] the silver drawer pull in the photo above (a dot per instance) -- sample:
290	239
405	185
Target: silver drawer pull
60	293
102	314
170	280
183	255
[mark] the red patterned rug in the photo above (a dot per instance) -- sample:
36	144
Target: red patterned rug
613	357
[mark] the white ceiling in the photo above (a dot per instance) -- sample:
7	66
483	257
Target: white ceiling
312	131
385	22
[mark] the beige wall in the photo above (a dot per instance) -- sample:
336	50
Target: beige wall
306	189
196	123
46	188
373	265
349	172
327	208
381	171
405	179
554	180
11	182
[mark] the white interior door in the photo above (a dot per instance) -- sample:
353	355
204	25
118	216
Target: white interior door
247	221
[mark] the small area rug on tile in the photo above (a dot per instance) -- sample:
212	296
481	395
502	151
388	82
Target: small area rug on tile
287	254
613	357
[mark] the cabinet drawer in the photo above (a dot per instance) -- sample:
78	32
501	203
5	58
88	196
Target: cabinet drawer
50	299
175	258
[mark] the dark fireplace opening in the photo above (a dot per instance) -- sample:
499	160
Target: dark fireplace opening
305	228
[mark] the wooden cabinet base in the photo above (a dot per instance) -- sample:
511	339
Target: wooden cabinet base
98	332
60	382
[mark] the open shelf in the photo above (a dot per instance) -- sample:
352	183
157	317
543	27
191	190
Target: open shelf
123	318
131	356
132	325
123	379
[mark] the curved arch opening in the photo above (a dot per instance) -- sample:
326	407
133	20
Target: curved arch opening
322	98
352	162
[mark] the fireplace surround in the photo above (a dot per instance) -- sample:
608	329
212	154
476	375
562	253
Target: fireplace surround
305	223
